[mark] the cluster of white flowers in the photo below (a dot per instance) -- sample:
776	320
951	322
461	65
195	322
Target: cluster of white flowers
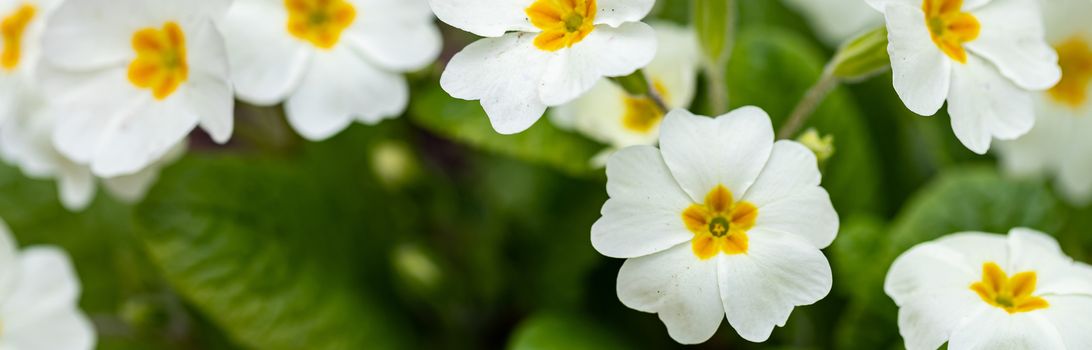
39	293
719	222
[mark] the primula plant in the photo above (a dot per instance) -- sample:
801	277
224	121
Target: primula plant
545	174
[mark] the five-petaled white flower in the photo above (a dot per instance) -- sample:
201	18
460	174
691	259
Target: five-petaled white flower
39	292
720	221
129	79
26	128
987	291
983	56
334	61
1059	143
835	21
540	53
610	115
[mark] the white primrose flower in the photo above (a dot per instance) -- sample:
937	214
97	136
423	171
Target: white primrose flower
331	61
26	130
130	79
610	115
988	291
540	53
1059	144
39	295
985	57
835	21
721	221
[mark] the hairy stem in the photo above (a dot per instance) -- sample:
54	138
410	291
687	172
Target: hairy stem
806	107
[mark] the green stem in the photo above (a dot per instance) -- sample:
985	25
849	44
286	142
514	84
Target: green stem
638	85
806	107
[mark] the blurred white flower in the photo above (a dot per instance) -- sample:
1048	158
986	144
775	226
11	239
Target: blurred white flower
835	21
21	25
39	293
988	291
983	56
1059	144
129	79
720	221
610	115
540	53
26	126
332	61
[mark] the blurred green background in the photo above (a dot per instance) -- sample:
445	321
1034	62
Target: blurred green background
434	231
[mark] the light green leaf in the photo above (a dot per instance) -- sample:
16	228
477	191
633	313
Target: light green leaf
561	331
282	253
862	57
466	122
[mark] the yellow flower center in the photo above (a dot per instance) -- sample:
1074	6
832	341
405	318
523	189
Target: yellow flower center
11	30
319	22
642	114
563	22
950	27
720	224
160	64
1011	294
1075	58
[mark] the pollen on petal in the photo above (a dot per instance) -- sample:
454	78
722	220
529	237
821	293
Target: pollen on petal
161	62
12	29
563	22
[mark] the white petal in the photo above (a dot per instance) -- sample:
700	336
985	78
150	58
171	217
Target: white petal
921	73
599	114
504	74
881	5
1056	273
606	52
341	87
1012	39
951	263
267	63
789	198
208	89
760	289
85	106
76	186
679	287
489	18
41	313
729	150
139	138
927	321
94	34
403	38
984	105
1069	315
995	329
644	212
616	12
132	188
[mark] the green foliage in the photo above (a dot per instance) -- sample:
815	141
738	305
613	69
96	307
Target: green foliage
560	331
283	253
466	122
772	68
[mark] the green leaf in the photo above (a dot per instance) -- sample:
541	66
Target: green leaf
466	122
561	331
282	252
772	68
